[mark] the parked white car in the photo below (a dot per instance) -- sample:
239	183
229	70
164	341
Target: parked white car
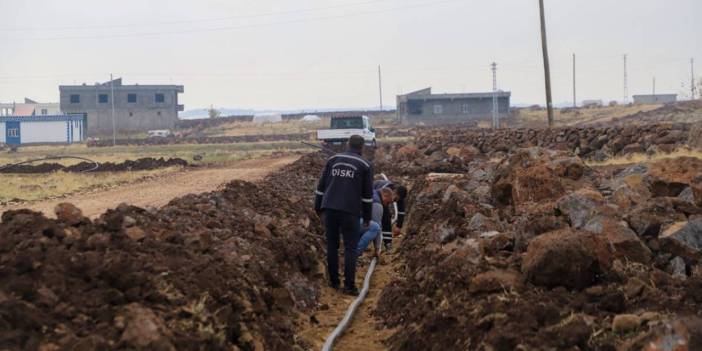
160	133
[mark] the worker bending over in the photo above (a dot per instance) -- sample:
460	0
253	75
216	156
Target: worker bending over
387	228
381	198
344	191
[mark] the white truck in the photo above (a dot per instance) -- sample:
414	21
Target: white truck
342	128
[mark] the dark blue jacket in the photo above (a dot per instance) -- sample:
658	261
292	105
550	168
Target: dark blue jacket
379	184
346	185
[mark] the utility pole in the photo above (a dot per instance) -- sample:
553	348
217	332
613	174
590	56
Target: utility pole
380	88
626	83
547	68
112	99
495	105
654	85
575	101
692	75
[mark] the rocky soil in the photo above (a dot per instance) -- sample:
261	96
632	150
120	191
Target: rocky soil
512	243
142	164
598	143
512	248
227	270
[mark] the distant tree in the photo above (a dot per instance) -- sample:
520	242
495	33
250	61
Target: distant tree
213	112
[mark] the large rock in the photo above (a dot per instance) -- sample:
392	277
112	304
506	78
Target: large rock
624	241
648	218
69	213
683	239
669	177
568	258
579	206
143	329
526	178
684	334
495	281
569	167
630	190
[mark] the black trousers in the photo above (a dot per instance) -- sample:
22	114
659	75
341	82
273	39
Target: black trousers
336	225
386	226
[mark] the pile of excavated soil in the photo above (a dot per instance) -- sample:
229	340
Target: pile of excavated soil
142	164
534	250
455	145
226	270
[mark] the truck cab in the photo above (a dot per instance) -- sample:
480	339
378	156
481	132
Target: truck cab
342	128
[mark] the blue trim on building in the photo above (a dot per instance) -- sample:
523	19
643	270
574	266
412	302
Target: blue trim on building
53	118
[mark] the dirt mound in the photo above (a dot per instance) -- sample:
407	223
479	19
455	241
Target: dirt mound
142	164
219	271
679	112
555	264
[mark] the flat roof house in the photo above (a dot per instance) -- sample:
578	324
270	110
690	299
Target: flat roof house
29	108
49	129
138	108
656	99
423	107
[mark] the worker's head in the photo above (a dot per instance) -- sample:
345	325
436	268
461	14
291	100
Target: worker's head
356	143
400	193
387	196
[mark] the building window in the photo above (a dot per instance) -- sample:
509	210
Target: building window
13	132
75	99
158	113
44	111
160	98
131	98
415	107
465	109
438	109
131	114
102	98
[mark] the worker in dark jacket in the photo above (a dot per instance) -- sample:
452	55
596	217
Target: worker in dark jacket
387	228
344	191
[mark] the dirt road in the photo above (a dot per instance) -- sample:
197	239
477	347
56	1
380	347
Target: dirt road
159	191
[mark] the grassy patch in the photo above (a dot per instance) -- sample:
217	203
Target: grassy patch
32	187
211	153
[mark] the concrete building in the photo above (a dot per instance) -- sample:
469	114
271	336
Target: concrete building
29	108
138	108
62	129
655	99
423	107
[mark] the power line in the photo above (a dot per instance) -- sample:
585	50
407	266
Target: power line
626	82
380	88
692	76
201	20
575	101
495	105
258	25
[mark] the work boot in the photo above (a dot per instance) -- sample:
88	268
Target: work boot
388	247
352	291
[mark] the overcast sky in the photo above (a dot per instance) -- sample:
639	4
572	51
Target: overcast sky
289	54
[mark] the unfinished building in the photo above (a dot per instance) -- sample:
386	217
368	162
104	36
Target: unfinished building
137	108
423	107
